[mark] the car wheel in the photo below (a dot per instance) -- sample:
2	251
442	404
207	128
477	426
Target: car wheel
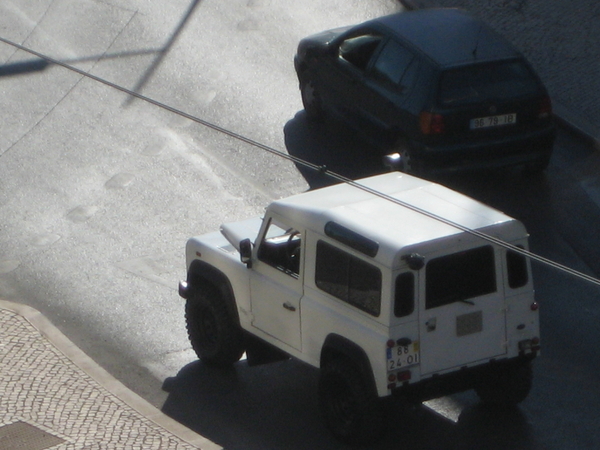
311	101
352	411
507	385
215	336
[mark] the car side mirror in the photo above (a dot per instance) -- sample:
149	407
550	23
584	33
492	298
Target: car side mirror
246	252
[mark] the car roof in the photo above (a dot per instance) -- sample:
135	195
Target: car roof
449	36
395	227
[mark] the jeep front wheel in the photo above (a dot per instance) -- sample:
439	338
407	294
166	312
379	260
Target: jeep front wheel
215	335
351	409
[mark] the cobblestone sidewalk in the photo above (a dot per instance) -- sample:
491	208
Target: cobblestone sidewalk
52	396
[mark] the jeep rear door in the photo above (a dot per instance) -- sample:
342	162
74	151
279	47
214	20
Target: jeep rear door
461	310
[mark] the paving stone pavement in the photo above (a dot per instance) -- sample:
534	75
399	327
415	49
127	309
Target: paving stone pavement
53	396
560	38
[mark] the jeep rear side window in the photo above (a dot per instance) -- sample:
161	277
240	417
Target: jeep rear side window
404	302
516	265
460	276
348	278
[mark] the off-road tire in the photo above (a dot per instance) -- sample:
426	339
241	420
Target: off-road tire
506	385
215	335
350	407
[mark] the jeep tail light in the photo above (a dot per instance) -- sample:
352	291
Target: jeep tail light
431	123
545	108
535	306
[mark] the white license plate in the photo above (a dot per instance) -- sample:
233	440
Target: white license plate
401	356
493	121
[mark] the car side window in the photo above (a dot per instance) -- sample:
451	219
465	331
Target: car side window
358	50
280	248
395	66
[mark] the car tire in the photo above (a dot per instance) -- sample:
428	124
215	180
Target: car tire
507	385
215	335
311	99
350	408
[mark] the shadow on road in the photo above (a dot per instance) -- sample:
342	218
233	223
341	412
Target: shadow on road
275	406
332	145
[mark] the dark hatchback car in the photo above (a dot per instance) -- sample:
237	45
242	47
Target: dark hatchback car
437	86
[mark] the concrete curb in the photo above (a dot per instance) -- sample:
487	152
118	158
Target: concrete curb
104	379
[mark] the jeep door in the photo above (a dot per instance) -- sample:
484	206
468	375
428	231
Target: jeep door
276	283
461	310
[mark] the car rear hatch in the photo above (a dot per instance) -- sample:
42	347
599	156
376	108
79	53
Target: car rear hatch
482	102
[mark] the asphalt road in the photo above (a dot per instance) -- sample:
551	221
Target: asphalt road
99	191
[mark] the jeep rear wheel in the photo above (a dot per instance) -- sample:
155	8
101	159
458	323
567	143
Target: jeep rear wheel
352	411
506	386
215	335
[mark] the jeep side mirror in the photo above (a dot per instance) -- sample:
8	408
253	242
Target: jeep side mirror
246	252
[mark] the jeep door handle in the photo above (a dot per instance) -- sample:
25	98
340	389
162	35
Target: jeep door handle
289	306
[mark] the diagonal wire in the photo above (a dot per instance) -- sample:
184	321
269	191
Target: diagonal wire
316	167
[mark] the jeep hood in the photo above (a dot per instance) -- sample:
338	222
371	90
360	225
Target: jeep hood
237	231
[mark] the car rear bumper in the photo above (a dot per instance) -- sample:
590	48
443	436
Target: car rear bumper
531	149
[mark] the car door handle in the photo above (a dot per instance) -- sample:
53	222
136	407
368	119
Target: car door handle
289	306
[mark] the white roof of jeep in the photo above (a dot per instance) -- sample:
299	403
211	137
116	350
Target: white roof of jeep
395	227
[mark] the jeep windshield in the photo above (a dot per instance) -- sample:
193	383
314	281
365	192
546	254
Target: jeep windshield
486	82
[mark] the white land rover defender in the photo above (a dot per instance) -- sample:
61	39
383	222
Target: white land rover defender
382	298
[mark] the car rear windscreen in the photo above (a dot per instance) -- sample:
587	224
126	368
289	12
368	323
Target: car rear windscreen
486	82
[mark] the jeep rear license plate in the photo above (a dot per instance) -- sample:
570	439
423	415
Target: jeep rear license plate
401	356
493	121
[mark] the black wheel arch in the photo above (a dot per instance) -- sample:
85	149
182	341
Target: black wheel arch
202	274
336	346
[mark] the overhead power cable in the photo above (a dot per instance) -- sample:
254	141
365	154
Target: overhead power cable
309	165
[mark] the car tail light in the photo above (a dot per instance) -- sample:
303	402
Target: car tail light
431	123
545	108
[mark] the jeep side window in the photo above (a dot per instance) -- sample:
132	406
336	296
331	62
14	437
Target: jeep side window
516	265
348	278
358	50
460	276
280	248
404	302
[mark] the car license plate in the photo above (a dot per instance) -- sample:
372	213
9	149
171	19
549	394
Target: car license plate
401	356
493	121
